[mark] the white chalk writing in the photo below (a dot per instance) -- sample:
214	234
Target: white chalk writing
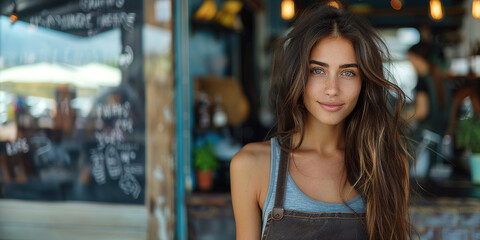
112	136
19	146
114	110
70	21
126	58
116	19
89	5
98	167
85	21
129	184
124	125
136	169
114	156
112	161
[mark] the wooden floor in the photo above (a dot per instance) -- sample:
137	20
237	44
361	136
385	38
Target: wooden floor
65	221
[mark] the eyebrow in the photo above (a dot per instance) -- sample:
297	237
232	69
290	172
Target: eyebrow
348	65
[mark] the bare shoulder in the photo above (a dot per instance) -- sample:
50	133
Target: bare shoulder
251	168
253	156
249	175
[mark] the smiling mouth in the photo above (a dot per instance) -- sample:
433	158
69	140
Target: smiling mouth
331	107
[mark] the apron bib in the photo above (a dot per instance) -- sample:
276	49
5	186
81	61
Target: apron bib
290	224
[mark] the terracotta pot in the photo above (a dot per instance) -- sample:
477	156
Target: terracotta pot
204	179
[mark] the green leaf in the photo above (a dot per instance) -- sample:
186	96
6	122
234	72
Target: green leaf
468	133
204	158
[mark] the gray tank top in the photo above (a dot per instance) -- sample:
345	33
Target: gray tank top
295	199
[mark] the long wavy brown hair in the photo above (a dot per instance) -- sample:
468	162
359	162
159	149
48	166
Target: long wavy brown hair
375	148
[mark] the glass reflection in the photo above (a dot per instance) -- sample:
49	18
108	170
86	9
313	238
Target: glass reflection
71	114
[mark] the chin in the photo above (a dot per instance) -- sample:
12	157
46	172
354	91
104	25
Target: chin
330	118
330	121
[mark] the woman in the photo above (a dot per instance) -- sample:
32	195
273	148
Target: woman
336	166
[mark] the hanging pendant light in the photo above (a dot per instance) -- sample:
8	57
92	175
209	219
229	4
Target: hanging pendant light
13	16
476	9
436	10
288	9
334	4
396	4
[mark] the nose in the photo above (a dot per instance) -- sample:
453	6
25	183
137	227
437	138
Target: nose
331	86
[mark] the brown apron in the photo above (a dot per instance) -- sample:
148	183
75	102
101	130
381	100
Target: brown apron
290	224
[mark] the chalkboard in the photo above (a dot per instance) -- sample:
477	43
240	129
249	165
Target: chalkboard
72	102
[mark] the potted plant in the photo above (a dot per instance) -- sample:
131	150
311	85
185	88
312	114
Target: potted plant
205	163
468	136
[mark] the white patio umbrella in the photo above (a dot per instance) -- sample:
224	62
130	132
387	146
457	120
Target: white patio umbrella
98	74
91	76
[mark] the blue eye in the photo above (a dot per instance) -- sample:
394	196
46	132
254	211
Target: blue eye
316	71
348	74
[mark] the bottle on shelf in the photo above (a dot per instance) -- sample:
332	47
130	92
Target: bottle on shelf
202	111
219	116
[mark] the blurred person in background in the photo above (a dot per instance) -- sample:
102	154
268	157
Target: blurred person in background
432	104
432	94
336	166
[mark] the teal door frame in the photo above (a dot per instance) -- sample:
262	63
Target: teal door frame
183	99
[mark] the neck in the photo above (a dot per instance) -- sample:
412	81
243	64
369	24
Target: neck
321	138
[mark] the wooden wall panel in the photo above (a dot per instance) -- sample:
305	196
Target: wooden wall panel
160	110
160	154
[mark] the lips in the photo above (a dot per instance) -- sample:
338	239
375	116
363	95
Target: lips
330	106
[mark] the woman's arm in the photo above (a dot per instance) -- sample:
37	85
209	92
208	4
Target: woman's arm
420	110
422	106
245	187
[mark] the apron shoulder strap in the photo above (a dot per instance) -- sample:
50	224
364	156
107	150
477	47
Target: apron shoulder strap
278	210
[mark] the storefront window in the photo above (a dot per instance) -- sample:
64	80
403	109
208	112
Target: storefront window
72	105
